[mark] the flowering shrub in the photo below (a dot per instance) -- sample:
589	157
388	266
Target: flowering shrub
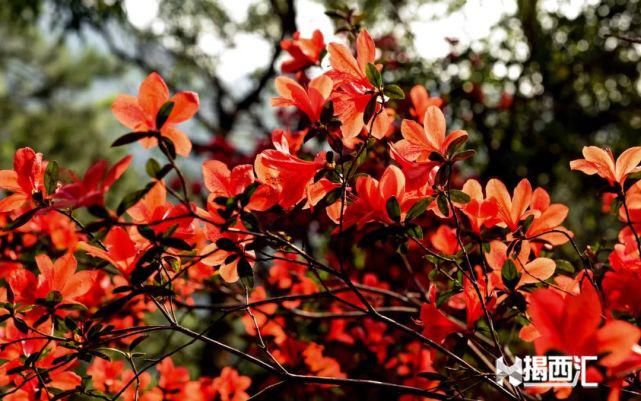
353	253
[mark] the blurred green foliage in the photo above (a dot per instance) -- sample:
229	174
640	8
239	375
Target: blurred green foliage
46	86
549	86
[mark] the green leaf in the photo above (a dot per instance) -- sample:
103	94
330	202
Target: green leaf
403	247
167	147
114	306
137	342
17	369
362	158
95	226
131	137
527	222
441	202
52	299
249	221
70	324
332	196
33	358
370	109
459	196
509	274
245	197
128	201
436	157
122	289
415	231
418	208
564	265
170	231
147	232
146	266
152	167
514	248
455	144
374	75
394	92
443	296
432	376
221	200
163	114
246	274
231	258
334	14
164	171
176	243
101	355
174	263
21	220
443	174
98	211
154	170
22	326
464	155
327	114
226	244
393	209
329	157
51	176
131	199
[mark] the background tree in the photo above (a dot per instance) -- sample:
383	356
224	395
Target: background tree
541	86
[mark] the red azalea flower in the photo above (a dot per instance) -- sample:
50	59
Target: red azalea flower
25	181
139	113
